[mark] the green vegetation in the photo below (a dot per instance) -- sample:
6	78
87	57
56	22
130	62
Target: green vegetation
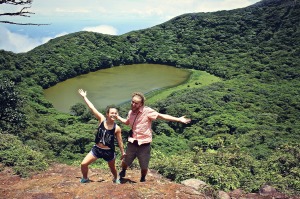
245	127
21	157
197	79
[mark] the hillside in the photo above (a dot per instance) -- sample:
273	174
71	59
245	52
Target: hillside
245	129
62	182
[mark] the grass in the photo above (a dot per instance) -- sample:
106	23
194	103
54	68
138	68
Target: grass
197	79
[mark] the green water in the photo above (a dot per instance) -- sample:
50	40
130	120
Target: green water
114	85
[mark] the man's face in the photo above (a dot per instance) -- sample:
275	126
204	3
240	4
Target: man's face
136	103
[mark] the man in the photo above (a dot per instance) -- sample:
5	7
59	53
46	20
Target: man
140	118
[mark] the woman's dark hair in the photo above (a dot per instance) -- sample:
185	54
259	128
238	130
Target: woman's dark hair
110	107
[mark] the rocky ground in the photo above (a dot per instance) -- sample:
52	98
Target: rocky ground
62	181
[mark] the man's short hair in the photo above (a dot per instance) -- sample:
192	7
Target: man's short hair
141	95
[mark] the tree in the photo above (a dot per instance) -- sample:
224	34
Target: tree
11	116
23	12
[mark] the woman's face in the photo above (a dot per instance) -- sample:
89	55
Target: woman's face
112	113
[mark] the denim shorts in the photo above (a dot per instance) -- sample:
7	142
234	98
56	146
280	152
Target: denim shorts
141	152
106	154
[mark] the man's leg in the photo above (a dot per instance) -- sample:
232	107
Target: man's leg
128	159
123	172
144	158
124	165
143	175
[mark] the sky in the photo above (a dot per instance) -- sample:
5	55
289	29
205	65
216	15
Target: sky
113	17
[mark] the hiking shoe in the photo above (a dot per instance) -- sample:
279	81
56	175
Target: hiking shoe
122	173
143	179
83	180
117	181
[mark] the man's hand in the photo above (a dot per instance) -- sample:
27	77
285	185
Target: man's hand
184	120
123	156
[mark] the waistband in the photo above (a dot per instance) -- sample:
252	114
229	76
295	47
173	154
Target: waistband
135	142
102	148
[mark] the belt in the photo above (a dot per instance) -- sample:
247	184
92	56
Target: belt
135	142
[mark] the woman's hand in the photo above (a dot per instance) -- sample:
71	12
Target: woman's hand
82	92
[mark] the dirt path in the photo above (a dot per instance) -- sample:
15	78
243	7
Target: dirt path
62	181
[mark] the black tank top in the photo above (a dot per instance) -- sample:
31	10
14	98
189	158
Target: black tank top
106	137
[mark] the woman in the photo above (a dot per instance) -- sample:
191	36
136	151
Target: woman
104	140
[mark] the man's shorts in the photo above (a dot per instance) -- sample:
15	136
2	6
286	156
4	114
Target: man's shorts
106	154
142	152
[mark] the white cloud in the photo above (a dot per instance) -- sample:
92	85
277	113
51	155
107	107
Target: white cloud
105	29
18	43
223	5
160	11
142	8
78	10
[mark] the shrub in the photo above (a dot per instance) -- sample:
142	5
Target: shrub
20	157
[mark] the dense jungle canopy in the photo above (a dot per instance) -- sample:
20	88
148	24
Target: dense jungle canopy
245	130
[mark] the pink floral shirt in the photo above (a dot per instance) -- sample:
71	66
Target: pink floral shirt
142	131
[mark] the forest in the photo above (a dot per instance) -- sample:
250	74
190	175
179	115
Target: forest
245	129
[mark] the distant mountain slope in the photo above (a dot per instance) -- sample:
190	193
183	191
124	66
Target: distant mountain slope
264	36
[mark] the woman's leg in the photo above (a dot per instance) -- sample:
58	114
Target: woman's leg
89	158
112	167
